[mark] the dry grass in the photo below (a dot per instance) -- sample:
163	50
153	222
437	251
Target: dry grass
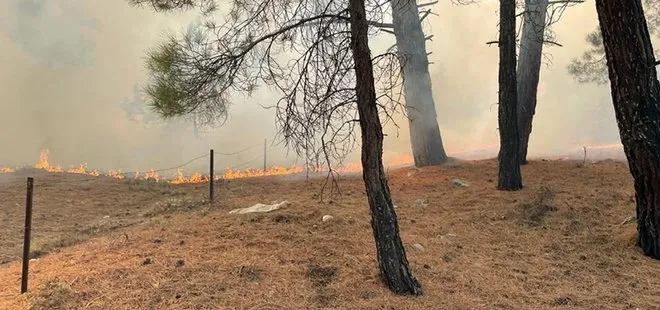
558	243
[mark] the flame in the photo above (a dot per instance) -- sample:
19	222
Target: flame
82	169
115	174
151	175
180	178
43	163
197	177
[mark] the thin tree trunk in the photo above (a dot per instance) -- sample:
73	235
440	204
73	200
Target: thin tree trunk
425	136
636	96
529	69
509	162
393	264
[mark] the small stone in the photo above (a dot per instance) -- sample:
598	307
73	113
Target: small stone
106	217
421	203
396	207
156	240
147	261
327	217
418	247
459	183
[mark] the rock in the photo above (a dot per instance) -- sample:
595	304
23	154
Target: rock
418	247
421	203
327	217
412	171
396	207
459	183
147	261
260	208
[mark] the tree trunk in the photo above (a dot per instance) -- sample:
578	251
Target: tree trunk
425	136
509	162
391	255
636	96
529	68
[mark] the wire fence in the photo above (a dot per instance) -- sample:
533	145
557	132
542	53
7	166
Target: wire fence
82	169
206	155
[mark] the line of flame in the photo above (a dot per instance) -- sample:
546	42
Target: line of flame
180	178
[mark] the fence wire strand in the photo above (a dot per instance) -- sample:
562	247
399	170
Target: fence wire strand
204	156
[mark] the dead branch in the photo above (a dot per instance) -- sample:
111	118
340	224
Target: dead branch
426	4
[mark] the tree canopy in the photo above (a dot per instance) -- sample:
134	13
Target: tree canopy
592	67
301	49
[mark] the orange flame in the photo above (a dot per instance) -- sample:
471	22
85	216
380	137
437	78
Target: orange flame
115	174
196	177
82	169
150	175
43	163
180	178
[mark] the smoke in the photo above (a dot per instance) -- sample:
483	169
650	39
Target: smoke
72	70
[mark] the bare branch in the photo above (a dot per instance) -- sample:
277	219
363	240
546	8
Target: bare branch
424	15
552	43
301	49
565	2
426	4
381	25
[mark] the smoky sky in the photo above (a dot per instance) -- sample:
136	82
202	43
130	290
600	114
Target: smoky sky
72	71
51	32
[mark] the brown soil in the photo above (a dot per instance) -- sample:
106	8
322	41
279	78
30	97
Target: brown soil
561	242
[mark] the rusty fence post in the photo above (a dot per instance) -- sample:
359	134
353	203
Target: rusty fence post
26	235
211	177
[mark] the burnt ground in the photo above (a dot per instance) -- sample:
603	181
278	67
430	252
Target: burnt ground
565	241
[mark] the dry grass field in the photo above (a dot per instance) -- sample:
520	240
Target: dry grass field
564	242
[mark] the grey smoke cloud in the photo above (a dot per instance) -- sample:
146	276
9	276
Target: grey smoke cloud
71	67
52	32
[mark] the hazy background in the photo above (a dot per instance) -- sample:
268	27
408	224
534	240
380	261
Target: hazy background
71	67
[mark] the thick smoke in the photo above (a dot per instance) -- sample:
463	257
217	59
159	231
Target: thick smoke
71	68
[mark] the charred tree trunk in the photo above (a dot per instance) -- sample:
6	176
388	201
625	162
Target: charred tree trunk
509	163
425	136
636	95
392	261
529	69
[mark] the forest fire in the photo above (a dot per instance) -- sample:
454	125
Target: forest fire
197	177
180	178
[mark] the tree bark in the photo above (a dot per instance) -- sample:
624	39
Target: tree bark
529	69
636	97
425	136
509	163
393	264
